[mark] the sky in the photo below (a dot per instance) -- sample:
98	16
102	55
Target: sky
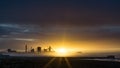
92	25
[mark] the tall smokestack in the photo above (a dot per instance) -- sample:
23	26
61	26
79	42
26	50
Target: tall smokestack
26	48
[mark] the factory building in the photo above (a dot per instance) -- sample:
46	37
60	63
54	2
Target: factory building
39	49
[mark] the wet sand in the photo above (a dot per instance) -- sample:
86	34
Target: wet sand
55	62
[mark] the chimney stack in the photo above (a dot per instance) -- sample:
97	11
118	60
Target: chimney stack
26	48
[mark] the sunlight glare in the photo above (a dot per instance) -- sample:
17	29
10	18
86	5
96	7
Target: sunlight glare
62	50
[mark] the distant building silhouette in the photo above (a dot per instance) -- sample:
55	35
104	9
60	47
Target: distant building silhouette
10	50
32	50
39	49
50	48
25	48
45	50
111	57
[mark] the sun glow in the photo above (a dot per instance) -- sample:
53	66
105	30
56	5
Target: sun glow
62	50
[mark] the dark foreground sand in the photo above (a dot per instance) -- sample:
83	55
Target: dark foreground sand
52	62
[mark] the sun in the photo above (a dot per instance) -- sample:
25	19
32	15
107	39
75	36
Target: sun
62	50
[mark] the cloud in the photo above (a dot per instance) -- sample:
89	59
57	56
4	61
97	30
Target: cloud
7	29
33	31
81	13
17	39
24	39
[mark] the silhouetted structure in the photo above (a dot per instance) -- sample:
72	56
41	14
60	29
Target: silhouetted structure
39	49
111	57
45	50
50	48
25	48
32	50
10	50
